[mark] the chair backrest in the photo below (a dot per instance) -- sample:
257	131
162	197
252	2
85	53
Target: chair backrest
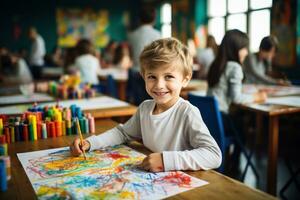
136	88
111	86
212	117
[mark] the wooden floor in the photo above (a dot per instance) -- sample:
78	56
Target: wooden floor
289	148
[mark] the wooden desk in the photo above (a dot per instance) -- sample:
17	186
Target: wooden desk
273	112
219	187
99	107
113	112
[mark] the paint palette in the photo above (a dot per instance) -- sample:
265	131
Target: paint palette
109	173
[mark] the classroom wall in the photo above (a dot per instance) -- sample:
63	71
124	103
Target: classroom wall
285	25
200	10
186	18
16	16
298	33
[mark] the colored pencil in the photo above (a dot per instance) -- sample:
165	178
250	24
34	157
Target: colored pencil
81	138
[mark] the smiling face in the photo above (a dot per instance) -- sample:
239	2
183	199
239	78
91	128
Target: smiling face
164	84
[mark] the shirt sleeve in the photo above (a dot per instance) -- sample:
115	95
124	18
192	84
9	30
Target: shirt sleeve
118	135
204	154
251	65
235	77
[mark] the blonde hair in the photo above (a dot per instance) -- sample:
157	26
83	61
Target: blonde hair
166	52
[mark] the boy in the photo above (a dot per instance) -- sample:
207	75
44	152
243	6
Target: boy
167	124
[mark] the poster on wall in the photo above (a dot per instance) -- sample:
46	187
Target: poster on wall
74	24
284	27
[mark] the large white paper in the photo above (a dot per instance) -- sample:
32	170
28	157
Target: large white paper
110	173
288	101
272	90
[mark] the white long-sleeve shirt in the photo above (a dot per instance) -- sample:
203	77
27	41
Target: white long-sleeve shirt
37	51
256	71
89	67
141	37
229	88
178	133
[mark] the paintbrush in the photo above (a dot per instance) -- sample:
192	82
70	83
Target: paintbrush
81	138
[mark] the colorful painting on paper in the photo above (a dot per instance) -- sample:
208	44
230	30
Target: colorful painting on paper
106	174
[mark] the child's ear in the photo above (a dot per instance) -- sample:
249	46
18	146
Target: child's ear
186	81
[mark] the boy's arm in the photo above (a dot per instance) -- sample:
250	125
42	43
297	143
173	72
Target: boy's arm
205	153
118	135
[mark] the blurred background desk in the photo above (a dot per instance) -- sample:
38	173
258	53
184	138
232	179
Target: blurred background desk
21	99
219	187
99	107
273	110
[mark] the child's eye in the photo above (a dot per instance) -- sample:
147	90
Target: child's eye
151	77
169	77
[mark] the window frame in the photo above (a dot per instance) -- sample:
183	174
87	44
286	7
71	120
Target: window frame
247	14
165	24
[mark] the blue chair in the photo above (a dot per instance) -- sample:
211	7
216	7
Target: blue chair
212	117
136	92
108	87
111	86
100	88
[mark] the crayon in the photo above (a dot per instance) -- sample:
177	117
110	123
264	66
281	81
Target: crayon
3	146
25	132
1	126
44	131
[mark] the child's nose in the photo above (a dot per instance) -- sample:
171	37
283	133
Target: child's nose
160	83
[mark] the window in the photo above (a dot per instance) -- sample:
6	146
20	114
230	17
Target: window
214	28
250	16
166	19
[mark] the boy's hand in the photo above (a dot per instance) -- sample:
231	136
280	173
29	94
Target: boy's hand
76	148
153	163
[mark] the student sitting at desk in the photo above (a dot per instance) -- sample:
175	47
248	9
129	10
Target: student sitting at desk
86	62
167	125
122	57
225	74
257	65
14	69
225	78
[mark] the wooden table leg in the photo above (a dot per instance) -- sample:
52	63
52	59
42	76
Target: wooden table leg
122	90
273	153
